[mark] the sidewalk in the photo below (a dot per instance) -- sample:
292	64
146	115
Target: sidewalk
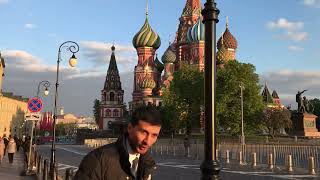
13	171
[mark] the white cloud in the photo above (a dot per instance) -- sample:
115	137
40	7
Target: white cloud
292	31
27	62
4	1
314	3
297	36
99	54
30	26
295	48
283	23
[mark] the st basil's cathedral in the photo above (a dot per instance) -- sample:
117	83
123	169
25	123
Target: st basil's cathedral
150	74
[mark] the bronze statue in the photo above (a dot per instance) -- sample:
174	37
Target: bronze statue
301	107
308	105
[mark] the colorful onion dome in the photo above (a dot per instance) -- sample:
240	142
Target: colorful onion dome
158	64
147	83
169	56
146	37
227	40
196	32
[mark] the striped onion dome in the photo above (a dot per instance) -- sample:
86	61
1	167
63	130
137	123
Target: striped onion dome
169	56
147	83
158	64
196	32
146	37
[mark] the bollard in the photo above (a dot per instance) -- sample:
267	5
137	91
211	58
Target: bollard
227	156
295	138
311	166
167	150
270	161
217	153
161	150
174	150
289	164
39	164
254	159
45	170
69	174
240	158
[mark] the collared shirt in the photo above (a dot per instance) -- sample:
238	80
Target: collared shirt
132	157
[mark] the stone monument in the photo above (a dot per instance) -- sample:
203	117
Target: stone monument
303	120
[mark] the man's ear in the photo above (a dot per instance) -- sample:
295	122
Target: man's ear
130	126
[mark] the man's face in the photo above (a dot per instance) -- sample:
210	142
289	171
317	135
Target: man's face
142	136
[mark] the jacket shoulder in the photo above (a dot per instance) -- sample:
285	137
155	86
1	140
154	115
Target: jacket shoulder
91	166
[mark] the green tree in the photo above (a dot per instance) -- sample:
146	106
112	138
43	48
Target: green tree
96	110
276	119
183	99
229	100
316	104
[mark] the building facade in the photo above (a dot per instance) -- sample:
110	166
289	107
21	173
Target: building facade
111	105
12	109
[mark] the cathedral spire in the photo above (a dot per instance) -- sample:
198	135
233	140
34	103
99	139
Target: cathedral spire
227	22
192	7
147	8
113	78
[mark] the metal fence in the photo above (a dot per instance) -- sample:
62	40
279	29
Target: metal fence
300	153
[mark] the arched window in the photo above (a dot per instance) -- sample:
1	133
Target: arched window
108	113
111	96
116	113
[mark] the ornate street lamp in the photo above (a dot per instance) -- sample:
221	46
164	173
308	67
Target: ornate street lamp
45	84
210	167
73	47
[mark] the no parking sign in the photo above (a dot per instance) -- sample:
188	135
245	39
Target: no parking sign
35	105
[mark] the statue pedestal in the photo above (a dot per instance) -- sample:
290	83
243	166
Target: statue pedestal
304	124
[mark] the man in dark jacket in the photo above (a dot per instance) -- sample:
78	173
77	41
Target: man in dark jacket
128	158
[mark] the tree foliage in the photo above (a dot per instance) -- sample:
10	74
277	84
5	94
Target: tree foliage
66	129
96	110
183	99
276	119
229	79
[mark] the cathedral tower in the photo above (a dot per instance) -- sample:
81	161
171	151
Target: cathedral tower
111	106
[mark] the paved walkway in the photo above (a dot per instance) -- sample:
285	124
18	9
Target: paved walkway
13	171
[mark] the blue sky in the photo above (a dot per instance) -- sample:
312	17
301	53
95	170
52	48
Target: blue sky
279	37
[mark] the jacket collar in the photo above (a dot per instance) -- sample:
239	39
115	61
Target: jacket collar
146	163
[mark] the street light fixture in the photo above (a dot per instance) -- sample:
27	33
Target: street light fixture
210	167
73	47
45	84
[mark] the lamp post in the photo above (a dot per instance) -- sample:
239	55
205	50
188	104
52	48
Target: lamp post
73	47
242	138
210	167
46	85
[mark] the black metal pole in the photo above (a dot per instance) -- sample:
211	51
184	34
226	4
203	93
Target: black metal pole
74	48
210	167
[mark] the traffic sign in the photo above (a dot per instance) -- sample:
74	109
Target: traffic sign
32	116
35	105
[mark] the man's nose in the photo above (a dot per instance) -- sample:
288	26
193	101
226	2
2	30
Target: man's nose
147	140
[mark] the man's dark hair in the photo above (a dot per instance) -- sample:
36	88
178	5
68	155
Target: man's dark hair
149	114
